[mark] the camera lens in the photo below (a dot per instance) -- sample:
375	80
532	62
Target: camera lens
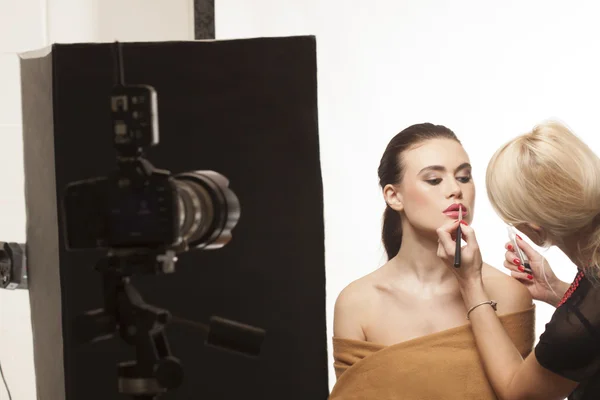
208	209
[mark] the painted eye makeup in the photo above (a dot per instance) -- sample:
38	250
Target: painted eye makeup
437	181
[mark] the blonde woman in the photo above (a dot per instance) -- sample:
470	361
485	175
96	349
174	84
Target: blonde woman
546	183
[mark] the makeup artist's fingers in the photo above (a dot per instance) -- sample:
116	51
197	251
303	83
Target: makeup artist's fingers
516	269
523	277
449	228
527	249
469	234
513	258
444	234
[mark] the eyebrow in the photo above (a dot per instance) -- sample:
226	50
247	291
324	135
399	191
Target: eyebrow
442	168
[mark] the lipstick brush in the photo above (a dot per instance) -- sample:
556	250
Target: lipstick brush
458	240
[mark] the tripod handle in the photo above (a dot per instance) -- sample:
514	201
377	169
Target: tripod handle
94	326
235	336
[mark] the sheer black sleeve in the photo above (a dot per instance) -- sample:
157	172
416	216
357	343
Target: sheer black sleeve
570	345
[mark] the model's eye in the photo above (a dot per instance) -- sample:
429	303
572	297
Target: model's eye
433	181
465	179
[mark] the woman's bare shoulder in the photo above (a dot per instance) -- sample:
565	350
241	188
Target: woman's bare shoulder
511	295
358	293
352	307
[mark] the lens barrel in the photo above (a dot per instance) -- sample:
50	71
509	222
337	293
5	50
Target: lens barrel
208	209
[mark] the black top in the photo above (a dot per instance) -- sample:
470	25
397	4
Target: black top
570	345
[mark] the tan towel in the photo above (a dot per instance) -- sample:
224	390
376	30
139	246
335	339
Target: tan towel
441	366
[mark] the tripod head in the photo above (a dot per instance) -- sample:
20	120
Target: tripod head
137	323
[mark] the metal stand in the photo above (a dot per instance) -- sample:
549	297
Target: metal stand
140	325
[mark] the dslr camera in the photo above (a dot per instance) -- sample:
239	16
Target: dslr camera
139	206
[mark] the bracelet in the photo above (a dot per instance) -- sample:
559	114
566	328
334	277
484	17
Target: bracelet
490	302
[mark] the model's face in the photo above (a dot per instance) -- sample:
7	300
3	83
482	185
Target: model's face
437	175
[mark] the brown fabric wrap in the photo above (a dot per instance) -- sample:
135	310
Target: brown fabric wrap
444	365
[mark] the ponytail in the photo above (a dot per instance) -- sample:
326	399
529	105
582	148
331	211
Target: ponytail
391	232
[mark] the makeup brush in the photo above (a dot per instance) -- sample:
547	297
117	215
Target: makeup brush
458	240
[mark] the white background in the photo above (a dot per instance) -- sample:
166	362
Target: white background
487	70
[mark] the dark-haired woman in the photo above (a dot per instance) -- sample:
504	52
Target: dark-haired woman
400	332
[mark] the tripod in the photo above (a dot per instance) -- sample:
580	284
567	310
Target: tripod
155	370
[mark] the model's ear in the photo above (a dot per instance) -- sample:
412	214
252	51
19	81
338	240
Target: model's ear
392	197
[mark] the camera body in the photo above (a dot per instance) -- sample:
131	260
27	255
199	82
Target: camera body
119	211
142	207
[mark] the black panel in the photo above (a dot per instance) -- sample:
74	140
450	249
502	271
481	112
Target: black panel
244	108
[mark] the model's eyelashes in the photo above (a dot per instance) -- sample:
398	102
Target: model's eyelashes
437	181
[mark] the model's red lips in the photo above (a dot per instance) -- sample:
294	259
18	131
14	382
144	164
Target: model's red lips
456	207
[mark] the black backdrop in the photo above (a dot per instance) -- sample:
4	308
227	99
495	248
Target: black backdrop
245	108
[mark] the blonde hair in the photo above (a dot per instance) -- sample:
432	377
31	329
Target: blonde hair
551	178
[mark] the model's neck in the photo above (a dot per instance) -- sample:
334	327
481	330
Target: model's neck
418	261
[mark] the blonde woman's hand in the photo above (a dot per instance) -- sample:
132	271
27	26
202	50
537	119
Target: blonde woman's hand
548	289
469	271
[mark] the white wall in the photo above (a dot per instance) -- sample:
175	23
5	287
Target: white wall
31	24
488	70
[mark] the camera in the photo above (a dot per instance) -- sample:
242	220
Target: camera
139	206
